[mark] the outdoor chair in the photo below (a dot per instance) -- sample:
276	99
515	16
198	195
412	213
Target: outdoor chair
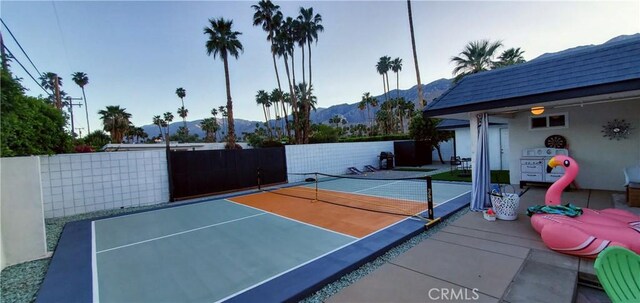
617	269
455	164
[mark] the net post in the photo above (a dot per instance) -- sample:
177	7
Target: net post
316	174
429	198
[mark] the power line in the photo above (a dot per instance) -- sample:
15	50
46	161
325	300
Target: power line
64	43
20	46
28	73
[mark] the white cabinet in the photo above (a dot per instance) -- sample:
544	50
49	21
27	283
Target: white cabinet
533	165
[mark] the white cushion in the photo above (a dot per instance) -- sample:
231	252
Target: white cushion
632	175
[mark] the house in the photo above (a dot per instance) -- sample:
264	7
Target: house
461	144
589	97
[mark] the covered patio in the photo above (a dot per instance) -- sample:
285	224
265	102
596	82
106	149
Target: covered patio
504	261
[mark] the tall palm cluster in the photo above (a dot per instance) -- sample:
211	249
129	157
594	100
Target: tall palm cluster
116	121
53	83
478	56
393	114
285	34
384	65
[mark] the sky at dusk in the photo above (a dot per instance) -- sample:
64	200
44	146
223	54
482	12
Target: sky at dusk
137	53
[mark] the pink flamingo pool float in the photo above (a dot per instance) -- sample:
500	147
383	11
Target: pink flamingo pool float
590	233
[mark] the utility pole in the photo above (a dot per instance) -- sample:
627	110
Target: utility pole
80	131
71	105
57	91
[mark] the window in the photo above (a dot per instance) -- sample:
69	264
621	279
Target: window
549	121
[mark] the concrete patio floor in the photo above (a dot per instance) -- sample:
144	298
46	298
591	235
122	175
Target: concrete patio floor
474	259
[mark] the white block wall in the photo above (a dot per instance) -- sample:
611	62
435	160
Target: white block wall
79	183
333	158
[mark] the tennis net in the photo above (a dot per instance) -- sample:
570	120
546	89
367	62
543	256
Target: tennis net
398	196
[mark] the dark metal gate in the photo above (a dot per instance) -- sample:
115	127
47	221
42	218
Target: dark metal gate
206	172
412	153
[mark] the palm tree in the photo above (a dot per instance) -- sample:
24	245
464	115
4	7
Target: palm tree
115	121
263	98
214	113
268	15
396	67
81	79
275	97
368	101
48	82
310	25
210	127
383	68
477	56
223	113
336	119
159	122
307	102
510	57
415	54
181	92
183	112
223	41
283	44
167	118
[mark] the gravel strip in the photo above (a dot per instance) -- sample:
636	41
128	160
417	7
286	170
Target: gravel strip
350	278
20	282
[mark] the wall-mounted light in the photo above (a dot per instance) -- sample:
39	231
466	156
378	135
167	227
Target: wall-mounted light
537	110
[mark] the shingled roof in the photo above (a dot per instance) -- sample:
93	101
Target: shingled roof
601	69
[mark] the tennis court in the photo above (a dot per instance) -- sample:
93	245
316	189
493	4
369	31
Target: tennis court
262	246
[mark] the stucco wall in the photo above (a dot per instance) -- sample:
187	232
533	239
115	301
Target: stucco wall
333	158
79	183
601	160
21	215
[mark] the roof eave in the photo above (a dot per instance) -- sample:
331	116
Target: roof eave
608	88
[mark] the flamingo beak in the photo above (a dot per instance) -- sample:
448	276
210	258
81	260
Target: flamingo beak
552	164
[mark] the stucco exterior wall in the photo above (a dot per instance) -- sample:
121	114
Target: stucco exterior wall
332	158
601	160
22	229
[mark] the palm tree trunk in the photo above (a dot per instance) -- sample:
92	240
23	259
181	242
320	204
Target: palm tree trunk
275	67
266	119
398	85
86	109
230	123
415	56
303	75
309	47
294	101
384	88
386	75
184	119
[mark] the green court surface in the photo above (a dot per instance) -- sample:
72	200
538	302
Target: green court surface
199	252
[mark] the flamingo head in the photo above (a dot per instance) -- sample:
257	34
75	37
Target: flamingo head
566	162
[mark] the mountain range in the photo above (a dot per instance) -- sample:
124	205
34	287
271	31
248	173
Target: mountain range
350	111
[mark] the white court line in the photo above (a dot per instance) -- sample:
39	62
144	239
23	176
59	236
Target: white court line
291	219
357	191
94	265
180	233
286	271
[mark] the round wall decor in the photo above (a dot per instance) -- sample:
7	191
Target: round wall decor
616	129
555	141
